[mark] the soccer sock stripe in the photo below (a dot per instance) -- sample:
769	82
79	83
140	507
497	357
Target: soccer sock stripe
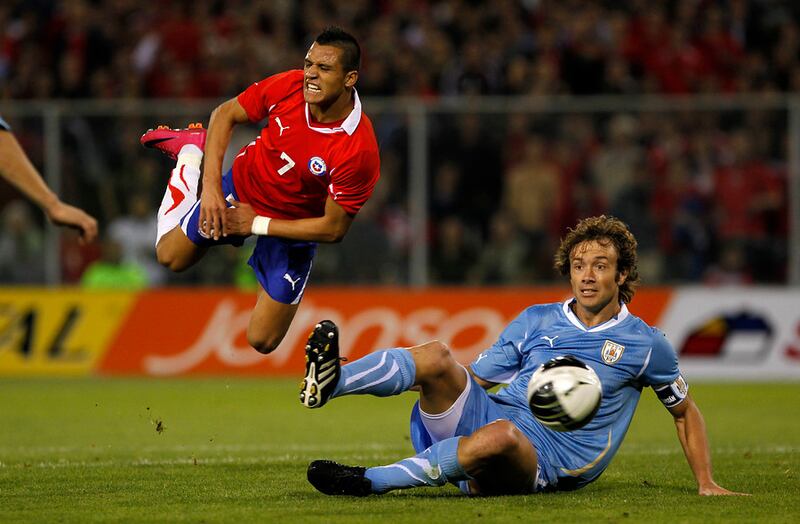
406	471
388	376
179	197
383	373
436	466
366	372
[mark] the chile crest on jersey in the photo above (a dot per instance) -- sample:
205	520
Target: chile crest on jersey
317	166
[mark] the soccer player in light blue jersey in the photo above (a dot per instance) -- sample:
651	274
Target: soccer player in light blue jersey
17	169
490	443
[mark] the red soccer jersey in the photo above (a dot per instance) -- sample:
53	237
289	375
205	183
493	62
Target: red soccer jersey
291	168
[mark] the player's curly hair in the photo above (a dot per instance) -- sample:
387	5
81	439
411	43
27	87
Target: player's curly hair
338	37
604	230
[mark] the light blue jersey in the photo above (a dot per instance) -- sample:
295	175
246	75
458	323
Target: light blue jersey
626	354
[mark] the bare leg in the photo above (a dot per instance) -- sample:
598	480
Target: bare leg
500	459
428	368
495	459
269	322
440	378
177	252
498	456
270	319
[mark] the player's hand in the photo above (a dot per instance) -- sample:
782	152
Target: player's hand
239	218
715	489
62	214
212	213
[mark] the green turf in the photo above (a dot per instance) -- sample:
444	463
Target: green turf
236	451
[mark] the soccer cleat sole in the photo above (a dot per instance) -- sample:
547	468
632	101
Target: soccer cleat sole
311	387
322	365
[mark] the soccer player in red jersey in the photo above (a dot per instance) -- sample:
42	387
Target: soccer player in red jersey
301	181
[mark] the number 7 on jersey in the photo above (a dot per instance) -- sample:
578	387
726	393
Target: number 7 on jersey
289	164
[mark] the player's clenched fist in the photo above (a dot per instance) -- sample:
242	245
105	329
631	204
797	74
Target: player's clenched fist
212	214
239	218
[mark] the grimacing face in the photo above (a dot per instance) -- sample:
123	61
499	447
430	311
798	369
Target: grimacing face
325	79
594	277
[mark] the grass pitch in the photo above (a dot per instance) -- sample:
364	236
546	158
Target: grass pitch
237	450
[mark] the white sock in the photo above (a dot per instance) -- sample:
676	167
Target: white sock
190	155
181	192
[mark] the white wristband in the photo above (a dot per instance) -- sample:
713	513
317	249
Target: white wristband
260	226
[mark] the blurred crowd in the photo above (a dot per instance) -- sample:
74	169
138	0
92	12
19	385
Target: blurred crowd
704	191
212	48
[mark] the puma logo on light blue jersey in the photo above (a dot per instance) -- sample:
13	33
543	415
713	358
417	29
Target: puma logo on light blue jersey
550	340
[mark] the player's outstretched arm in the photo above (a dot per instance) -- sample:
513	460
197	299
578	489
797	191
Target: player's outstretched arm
692	435
241	219
62	214
212	203
20	172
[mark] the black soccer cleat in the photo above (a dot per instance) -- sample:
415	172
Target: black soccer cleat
323	365
332	478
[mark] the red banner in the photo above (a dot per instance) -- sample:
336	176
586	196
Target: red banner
195	332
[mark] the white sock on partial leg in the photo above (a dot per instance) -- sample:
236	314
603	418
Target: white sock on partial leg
181	192
190	155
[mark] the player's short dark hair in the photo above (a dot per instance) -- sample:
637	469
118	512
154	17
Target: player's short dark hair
351	51
604	230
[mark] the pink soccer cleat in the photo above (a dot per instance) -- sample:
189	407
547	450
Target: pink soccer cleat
170	141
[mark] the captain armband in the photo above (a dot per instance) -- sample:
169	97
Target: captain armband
260	226
673	393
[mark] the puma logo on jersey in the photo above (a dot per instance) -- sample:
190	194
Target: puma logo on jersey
481	356
334	192
292	282
278	121
550	340
244	149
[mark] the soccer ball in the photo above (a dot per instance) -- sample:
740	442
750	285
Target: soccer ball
564	393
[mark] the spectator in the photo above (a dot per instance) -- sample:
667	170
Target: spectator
453	254
21	245
503	259
532	188
731	268
135	233
112	272
615	165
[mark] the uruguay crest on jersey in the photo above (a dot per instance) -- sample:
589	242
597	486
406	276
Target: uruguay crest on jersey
612	352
